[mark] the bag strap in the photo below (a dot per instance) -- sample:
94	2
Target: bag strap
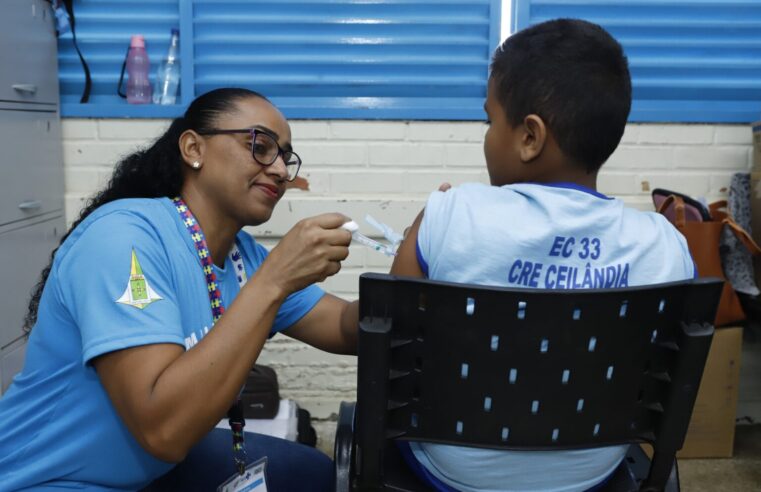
119	90
720	213
678	202
69	4
742	235
718	210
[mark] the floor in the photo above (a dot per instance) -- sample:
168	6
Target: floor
743	471
740	473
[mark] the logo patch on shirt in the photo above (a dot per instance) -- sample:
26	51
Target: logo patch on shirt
138	293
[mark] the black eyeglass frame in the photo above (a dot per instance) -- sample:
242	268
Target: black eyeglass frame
254	132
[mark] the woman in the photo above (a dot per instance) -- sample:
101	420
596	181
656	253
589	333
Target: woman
124	375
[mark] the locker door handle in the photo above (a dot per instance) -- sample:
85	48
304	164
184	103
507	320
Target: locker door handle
30	205
30	88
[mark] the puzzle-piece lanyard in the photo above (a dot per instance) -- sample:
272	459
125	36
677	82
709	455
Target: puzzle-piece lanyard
235	414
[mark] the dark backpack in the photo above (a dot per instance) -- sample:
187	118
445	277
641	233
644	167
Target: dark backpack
260	397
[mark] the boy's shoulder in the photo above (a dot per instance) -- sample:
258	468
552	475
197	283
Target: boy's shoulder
531	191
473	190
569	203
466	194
642	218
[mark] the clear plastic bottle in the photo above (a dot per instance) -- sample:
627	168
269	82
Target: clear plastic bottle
138	67
168	73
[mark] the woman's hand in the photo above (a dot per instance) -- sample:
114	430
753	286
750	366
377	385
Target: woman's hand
310	252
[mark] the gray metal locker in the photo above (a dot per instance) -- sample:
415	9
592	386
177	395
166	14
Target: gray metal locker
28	54
31	166
31	178
25	248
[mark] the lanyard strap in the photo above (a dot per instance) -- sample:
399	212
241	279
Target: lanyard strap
235	414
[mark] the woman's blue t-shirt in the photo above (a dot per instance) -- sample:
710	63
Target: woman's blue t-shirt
58	427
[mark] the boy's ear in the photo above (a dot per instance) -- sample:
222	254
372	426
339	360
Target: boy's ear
533	138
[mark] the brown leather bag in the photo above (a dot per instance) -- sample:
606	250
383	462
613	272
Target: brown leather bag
703	241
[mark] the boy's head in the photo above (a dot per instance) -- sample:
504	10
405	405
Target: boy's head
558	99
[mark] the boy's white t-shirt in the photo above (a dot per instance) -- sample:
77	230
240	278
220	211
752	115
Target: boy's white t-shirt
559	236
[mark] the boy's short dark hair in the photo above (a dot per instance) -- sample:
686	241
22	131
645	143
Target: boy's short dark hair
573	75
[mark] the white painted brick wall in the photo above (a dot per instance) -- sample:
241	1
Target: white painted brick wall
387	169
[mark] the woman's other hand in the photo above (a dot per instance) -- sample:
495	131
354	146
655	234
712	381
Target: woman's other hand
310	252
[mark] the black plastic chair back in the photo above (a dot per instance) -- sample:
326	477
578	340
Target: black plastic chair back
527	369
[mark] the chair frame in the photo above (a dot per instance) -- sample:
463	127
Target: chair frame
414	333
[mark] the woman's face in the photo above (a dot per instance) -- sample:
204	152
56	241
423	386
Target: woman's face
244	189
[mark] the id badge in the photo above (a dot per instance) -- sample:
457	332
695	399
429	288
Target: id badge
252	480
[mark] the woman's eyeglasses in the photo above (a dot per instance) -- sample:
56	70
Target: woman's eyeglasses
265	149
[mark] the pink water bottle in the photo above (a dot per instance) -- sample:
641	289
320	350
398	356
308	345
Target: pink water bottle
138	67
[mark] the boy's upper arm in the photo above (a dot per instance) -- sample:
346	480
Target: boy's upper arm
406	261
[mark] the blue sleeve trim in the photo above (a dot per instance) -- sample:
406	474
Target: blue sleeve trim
421	260
295	307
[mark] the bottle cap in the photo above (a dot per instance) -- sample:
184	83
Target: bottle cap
175	31
137	41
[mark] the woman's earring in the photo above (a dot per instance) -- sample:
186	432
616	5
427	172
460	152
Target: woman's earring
196	164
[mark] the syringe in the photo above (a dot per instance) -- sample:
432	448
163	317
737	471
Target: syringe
353	227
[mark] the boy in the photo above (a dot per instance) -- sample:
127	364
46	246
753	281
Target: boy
558	99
